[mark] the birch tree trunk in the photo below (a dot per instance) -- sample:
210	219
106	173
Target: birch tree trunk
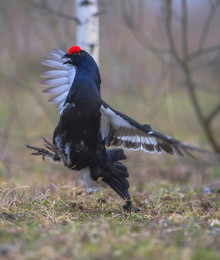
87	33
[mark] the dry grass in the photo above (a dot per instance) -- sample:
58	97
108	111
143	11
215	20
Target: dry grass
175	222
44	214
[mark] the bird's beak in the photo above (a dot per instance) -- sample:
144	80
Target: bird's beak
66	56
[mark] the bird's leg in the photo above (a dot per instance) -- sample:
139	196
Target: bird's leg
51	151
120	186
128	204
44	153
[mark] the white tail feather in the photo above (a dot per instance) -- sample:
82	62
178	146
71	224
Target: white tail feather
54	74
55	82
57	90
58	80
59	99
54	64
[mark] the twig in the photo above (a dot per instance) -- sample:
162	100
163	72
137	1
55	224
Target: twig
190	83
168	22
144	40
183	63
214	113
51	11
185	30
207	24
207	63
210	91
204	51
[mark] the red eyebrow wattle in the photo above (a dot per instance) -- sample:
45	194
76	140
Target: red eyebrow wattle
74	49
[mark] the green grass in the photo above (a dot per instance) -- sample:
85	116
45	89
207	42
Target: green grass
45	214
175	222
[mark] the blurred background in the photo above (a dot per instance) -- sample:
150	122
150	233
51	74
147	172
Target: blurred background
159	63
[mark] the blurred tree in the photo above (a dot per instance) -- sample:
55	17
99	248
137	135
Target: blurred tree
180	56
87	34
87	24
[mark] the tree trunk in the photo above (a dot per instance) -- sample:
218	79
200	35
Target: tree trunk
87	34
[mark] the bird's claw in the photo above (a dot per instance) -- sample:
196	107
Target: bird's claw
128	207
52	152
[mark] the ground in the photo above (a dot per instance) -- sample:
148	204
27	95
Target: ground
46	214
57	219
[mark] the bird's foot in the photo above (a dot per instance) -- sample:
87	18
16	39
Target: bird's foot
129	208
41	151
52	152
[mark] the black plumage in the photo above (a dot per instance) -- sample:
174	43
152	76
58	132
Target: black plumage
88	125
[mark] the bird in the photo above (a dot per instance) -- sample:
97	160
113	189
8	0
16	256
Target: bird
90	135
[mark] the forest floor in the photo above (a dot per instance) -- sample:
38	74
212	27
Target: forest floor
50	217
46	214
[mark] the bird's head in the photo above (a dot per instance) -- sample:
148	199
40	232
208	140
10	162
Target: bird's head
84	61
76	56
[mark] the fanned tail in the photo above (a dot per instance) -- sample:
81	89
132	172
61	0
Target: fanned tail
113	172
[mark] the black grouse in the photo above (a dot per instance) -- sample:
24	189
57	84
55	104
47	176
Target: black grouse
88	125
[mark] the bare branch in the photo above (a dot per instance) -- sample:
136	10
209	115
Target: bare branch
142	37
207	63
51	11
214	113
183	61
207	24
184	64
205	51
185	29
168	22
163	55
208	90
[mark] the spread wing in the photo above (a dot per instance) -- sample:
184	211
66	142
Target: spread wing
59	79
118	129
